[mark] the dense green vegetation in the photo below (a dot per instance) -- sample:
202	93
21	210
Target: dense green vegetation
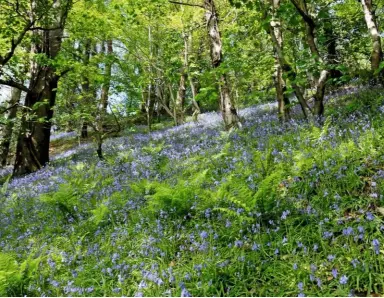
269	210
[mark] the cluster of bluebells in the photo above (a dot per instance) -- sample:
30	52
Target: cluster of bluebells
115	240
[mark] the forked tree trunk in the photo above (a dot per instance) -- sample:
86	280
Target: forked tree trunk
377	52
6	132
287	69
320	82
227	106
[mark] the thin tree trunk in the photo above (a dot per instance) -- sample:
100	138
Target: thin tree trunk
86	86
227	106
193	82
277	36
103	103
181	94
377	52
6	133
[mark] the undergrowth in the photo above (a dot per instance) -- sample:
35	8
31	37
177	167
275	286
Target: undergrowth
271	210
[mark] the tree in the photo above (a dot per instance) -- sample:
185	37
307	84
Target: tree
32	151
377	51
228	109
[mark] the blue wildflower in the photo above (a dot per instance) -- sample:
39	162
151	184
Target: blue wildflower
376	246
343	280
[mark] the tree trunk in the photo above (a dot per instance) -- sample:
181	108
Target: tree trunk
377	52
320	82
181	94
86	86
84	130
103	104
149	106
6	133
277	37
227	106
32	150
331	51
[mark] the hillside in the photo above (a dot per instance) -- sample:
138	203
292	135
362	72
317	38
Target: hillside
269	210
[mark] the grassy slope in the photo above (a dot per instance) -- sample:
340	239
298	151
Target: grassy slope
266	211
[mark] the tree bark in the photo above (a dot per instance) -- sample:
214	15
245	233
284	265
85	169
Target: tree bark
103	104
320	82
6	133
277	37
86	86
181	94
32	150
227	106
377	52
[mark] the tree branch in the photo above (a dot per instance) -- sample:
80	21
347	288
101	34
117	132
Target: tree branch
14	43
14	84
9	108
187	4
306	17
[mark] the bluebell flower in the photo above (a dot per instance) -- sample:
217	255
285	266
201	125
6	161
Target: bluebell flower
376	246
238	243
185	293
343	280
300	285
203	234
369	216
334	272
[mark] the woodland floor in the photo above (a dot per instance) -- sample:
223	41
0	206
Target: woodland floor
268	210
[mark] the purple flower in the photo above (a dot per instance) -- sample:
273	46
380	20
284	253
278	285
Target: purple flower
238	243
285	214
294	266
355	262
203	234
334	272
374	195
255	247
376	246
301	295
185	293
331	258
348	231
300	285
313	267
343	280
369	216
